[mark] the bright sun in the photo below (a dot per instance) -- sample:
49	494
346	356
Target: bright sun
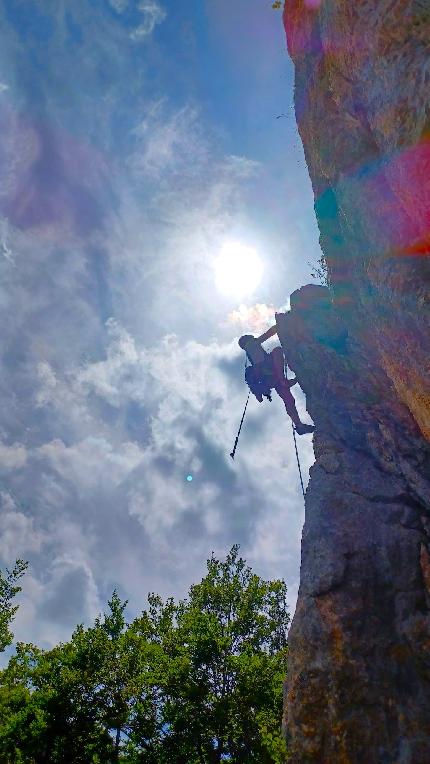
238	269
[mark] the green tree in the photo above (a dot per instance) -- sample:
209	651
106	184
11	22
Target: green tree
8	590
72	704
198	682
221	667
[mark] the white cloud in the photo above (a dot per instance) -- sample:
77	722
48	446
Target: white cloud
18	535
18	150
5	240
91	463
12	457
51	606
153	14
254	319
72	562
241	166
176	143
117	413
119	5
111	378
48	383
93	485
169	142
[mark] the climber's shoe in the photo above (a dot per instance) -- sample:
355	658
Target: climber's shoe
302	429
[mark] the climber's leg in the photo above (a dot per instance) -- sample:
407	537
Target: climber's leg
283	389
290	405
277	357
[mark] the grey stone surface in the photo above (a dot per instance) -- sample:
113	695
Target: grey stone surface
358	688
359	680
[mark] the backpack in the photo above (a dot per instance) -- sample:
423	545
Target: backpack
258	382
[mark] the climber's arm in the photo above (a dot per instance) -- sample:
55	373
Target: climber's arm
266	336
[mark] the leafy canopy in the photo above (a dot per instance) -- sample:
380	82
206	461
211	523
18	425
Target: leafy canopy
193	682
8	590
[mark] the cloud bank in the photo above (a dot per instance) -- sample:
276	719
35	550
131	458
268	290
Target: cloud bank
119	372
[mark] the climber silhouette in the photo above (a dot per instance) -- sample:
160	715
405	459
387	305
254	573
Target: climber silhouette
267	372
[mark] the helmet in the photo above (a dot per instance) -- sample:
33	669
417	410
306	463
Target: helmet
244	339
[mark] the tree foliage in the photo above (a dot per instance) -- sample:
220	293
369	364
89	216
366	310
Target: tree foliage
8	590
193	682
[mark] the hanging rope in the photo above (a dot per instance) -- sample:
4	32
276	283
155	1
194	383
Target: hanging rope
240	427
294	436
298	460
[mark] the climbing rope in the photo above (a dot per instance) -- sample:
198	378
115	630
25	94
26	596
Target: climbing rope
294	436
240	427
298	460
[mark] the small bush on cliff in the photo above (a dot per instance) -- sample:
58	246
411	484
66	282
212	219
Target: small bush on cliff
319	271
194	682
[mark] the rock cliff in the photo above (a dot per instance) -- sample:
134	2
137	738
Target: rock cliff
358	689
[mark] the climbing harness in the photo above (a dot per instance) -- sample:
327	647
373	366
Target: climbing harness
298	460
240	427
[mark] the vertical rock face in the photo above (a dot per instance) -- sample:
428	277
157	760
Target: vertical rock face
359	683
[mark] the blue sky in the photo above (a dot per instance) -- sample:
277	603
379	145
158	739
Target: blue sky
137	138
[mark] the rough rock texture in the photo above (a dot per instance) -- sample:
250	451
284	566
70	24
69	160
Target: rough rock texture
359	682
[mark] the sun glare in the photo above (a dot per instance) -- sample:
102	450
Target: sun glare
238	269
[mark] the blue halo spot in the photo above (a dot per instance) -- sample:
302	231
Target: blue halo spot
189	478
